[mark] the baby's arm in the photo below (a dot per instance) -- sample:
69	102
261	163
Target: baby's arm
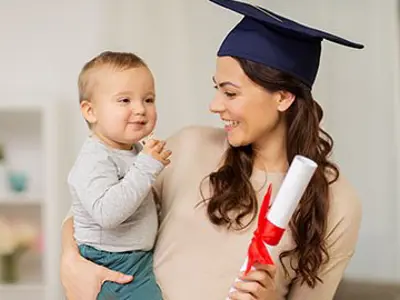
108	199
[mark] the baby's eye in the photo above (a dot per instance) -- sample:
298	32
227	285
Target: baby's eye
125	100
149	100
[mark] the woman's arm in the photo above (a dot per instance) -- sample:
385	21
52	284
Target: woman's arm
331	276
68	243
343	227
81	278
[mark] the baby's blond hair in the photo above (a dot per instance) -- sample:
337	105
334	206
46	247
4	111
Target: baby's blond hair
118	60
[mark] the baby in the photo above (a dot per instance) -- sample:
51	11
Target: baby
115	215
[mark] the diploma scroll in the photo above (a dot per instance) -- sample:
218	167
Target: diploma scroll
273	222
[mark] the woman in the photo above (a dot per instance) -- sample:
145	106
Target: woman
211	192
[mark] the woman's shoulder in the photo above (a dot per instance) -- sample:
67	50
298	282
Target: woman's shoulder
195	138
344	198
345	210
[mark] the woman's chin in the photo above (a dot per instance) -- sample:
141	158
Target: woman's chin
236	141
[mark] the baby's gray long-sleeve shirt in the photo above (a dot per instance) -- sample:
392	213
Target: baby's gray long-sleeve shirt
113	204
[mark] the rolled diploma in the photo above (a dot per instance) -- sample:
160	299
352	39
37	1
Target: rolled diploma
292	189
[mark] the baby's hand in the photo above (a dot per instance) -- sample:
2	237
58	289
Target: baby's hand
155	148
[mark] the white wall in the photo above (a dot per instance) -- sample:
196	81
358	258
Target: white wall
44	44
362	108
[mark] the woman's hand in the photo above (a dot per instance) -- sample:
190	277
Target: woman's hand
82	279
258	284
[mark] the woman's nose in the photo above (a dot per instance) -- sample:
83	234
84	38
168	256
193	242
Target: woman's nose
217	104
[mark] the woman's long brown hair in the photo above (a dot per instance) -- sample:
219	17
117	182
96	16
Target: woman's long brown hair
233	197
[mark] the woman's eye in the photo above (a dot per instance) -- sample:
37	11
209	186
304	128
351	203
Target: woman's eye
230	95
227	94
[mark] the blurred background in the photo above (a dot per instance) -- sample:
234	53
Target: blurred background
45	43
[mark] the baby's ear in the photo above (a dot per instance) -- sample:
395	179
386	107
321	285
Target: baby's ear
88	111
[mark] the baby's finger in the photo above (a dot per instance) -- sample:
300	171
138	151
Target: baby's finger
165	154
166	162
150	143
159	147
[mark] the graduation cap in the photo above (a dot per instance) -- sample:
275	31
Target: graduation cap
275	41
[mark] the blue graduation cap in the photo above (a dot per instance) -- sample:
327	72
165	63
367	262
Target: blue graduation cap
275	41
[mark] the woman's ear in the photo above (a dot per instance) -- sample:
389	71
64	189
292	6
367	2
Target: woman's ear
285	100
88	111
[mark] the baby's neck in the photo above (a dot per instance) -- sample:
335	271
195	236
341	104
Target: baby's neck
111	143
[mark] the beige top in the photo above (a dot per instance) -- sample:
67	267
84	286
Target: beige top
196	260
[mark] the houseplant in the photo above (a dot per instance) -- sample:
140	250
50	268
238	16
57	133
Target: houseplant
16	239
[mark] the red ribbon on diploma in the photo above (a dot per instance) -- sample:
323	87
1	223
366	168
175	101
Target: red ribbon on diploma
266	232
